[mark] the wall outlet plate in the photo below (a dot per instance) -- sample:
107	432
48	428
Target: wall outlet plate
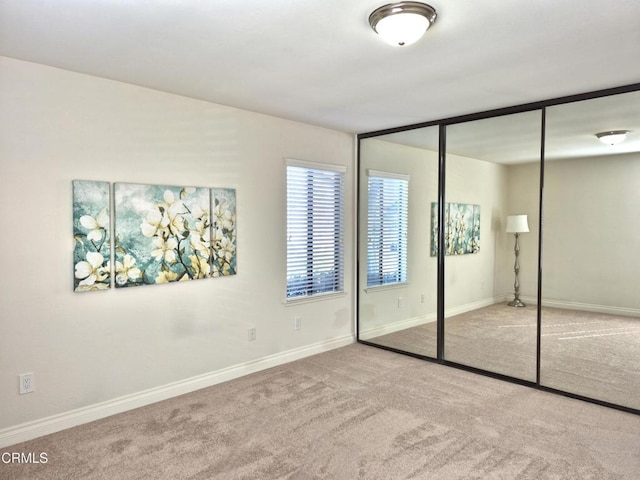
27	384
252	334
297	323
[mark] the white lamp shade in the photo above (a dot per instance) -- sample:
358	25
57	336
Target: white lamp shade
402	29
517	224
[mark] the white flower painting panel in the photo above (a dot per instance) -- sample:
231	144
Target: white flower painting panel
91	233
162	234
223	240
462	229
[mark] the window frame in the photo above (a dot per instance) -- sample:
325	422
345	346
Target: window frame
338	272
401	275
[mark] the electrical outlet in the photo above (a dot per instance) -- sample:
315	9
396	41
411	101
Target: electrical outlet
297	323
252	334
400	302
27	384
422	298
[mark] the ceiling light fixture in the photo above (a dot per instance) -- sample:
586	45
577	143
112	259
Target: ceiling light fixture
403	23
613	137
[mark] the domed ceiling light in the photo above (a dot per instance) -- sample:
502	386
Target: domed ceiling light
403	23
613	137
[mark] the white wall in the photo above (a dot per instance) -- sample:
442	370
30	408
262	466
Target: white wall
591	232
590	235
477	279
56	126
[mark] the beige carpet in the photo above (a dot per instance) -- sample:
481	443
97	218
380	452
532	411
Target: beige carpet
353	413
591	354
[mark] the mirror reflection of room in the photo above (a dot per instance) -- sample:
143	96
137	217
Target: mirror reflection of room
398	276
492	197
590	343
587	327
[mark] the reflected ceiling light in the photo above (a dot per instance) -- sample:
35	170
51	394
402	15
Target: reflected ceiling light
613	137
403	23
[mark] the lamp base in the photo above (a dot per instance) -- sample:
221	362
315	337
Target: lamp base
516	302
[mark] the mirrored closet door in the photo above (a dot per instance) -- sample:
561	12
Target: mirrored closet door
397	275
530	267
590	337
492	200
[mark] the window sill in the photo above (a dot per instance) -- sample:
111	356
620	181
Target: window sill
289	302
381	288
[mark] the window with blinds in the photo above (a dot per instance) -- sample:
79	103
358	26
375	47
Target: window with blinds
315	229
387	219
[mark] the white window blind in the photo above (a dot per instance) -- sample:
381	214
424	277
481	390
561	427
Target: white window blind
387	220
315	258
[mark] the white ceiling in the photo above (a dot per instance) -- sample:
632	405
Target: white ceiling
319	62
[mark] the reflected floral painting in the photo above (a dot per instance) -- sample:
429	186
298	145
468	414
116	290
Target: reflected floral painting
162	234
224	231
462	228
91	252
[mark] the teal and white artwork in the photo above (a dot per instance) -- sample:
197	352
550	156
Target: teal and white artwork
462	228
223	208
91	233
162	234
434	227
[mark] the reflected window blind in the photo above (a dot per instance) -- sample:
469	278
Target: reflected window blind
315	224
387	221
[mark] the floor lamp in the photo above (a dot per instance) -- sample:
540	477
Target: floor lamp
517	224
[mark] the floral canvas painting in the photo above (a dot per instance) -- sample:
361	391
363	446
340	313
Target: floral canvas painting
91	233
162	234
462	228
434	227
223	208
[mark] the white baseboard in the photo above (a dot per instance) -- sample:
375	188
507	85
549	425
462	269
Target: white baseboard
374	332
528	301
378	331
468	307
584	307
588	307
55	423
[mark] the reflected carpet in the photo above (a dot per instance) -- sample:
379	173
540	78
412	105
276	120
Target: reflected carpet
592	354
